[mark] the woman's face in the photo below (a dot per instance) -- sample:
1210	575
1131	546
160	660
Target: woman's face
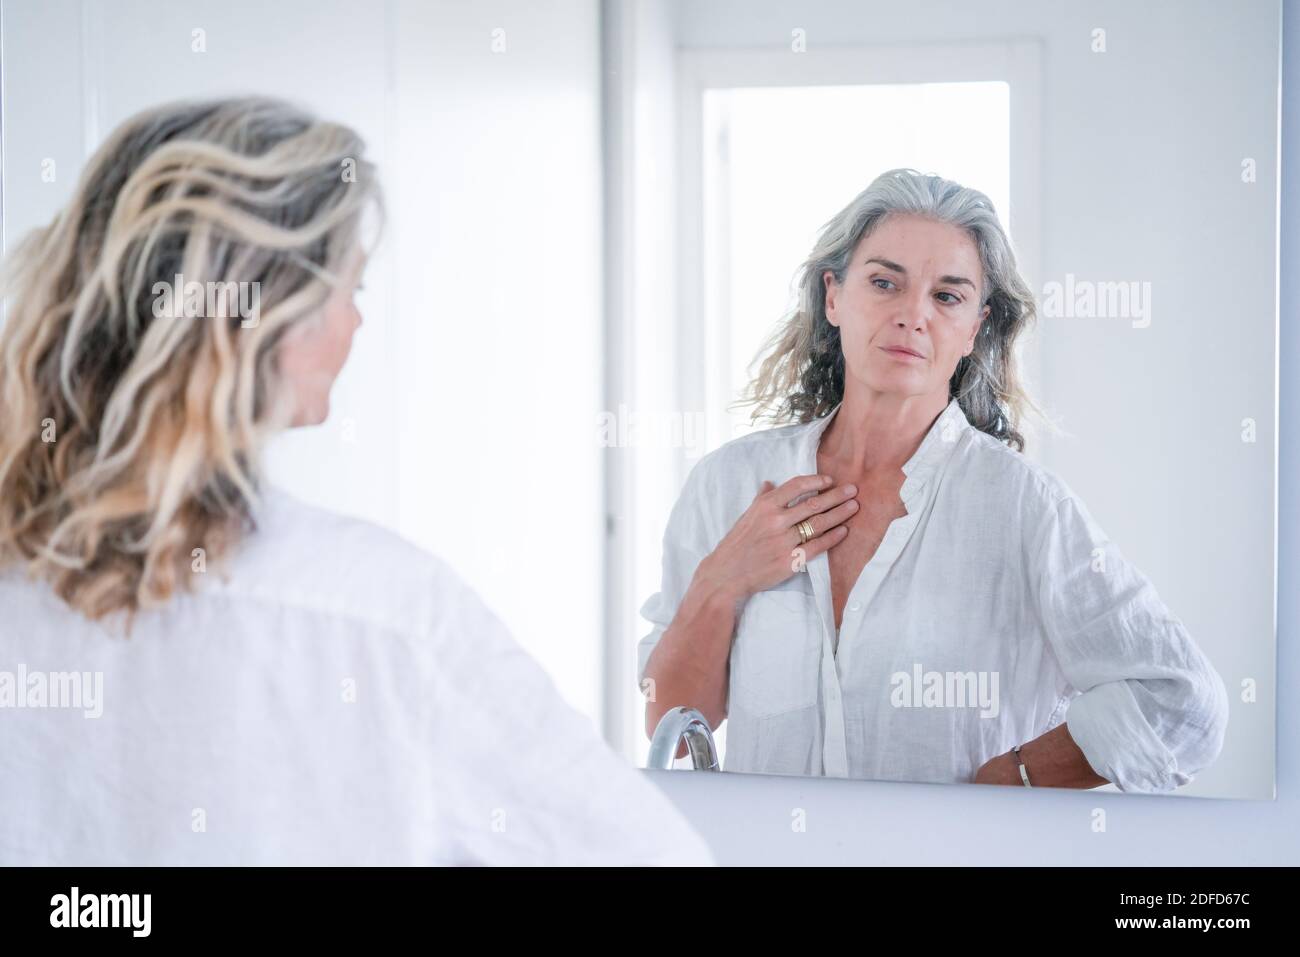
313	351
912	284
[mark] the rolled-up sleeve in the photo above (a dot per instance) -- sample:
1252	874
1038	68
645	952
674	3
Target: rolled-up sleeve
686	542
1152	710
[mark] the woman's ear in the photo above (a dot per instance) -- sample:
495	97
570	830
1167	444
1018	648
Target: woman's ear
970	344
832	288
984	315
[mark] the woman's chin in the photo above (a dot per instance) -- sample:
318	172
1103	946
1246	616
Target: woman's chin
898	380
314	415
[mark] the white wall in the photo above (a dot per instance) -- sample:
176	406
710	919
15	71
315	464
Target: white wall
464	419
497	164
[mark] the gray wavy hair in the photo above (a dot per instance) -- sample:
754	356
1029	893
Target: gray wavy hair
801	376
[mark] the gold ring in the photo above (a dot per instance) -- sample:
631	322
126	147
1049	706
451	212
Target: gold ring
805	532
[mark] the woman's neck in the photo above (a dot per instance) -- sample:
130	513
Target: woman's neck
877	432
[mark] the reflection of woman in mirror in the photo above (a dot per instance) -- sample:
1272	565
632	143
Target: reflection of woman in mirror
886	587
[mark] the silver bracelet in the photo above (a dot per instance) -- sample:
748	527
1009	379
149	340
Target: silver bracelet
1024	775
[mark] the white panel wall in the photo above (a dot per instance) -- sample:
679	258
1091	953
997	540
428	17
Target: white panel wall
497	161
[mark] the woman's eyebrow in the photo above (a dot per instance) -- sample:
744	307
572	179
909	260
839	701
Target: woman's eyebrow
945	280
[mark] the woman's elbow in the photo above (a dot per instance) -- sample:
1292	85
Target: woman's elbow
1206	719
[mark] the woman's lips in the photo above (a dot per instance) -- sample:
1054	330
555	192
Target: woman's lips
900	354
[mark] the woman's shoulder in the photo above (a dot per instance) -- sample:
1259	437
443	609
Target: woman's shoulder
1016	492
316	560
990	464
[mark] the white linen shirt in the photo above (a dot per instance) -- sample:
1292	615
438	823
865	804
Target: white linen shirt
997	573
342	697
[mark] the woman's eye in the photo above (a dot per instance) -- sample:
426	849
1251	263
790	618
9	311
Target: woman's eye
952	299
877	283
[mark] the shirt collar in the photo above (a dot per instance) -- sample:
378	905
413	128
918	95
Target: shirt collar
925	462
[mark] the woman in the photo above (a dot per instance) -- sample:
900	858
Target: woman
910	597
268	683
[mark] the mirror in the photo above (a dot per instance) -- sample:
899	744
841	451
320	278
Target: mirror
1097	584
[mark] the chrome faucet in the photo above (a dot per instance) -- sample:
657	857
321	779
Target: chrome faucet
677	724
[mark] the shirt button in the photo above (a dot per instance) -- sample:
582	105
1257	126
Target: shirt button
854	606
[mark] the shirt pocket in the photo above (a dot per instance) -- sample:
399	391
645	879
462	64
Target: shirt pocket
776	655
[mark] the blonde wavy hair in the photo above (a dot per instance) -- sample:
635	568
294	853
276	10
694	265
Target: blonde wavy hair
128	440
801	367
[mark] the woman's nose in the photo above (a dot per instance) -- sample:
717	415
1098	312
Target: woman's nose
915	311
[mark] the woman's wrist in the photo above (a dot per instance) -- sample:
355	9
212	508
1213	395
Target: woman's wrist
715	587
